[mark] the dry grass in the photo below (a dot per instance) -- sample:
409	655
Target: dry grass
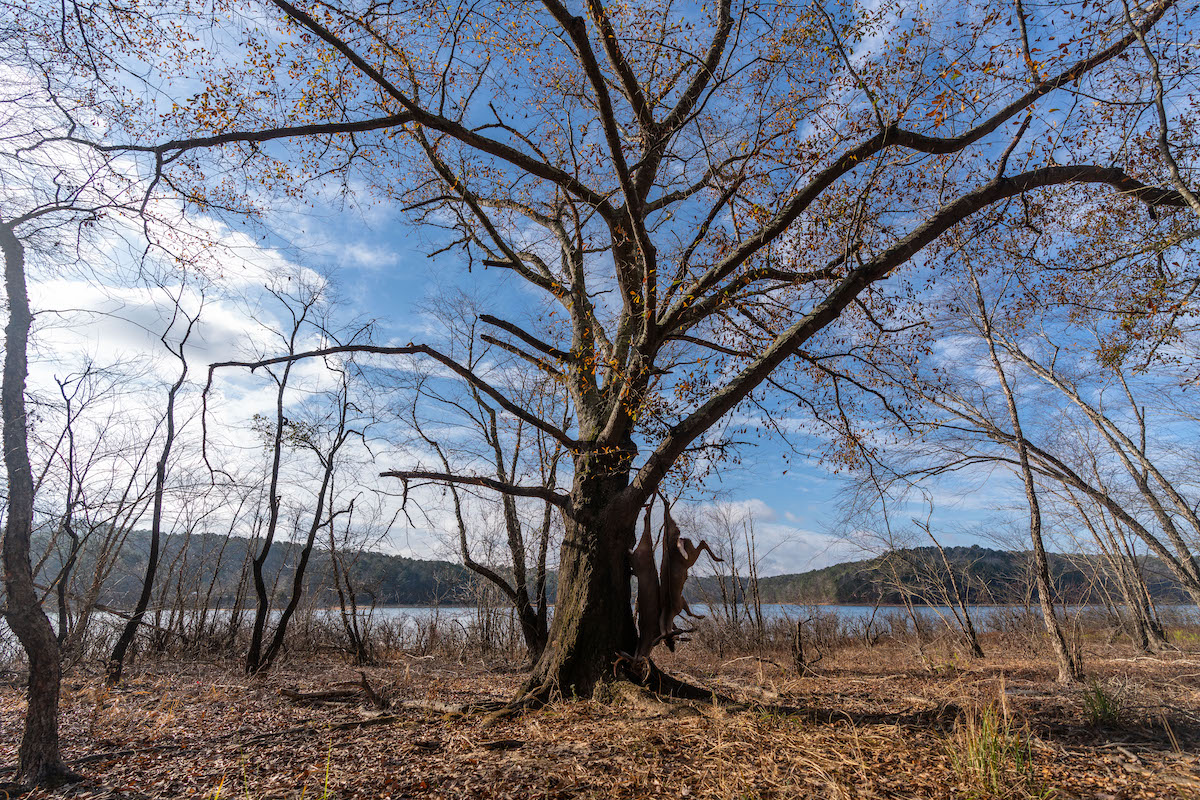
886	721
992	757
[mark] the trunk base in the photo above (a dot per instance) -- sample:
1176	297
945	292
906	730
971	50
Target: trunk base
46	776
643	674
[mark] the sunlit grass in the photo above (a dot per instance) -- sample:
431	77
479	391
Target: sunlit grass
992	758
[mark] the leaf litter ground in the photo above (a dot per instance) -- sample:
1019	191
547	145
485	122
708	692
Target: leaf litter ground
875	723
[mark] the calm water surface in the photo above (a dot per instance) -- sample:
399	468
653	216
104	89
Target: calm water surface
982	615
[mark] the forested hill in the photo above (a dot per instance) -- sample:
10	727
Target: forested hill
984	575
204	560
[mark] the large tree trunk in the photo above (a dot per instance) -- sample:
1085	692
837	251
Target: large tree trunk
38	756
593	618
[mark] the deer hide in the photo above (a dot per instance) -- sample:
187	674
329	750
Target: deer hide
649	593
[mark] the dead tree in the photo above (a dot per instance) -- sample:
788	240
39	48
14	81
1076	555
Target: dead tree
116	661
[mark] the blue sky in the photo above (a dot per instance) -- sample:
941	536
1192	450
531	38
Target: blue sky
378	265
381	269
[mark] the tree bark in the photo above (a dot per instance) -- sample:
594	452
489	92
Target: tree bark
39	760
593	619
1069	669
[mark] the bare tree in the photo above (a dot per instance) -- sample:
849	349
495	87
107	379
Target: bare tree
736	192
277	433
951	593
344	553
511	453
306	307
730	531
51	191
88	478
324	440
116	661
1069	669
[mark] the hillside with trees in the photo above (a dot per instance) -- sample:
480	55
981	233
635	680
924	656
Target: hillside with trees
987	576
216	568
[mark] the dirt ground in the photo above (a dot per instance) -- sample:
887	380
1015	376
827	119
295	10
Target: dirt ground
885	721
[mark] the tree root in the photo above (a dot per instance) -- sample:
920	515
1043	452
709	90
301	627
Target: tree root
645	673
50	776
640	673
531	698
664	684
657	690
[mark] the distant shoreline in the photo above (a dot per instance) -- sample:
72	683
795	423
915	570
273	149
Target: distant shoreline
881	606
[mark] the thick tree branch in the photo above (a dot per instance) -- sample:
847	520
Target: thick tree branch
180	146
458	185
641	302
527	338
630	86
538	492
895	136
539	362
437	122
786	344
1160	106
729	292
702	78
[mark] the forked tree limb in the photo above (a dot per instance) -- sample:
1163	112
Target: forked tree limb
437	122
174	148
895	136
791	339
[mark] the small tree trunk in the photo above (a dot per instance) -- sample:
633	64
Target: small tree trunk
960	601
263	609
39	760
298	574
1069	669
534	630
116	662
64	580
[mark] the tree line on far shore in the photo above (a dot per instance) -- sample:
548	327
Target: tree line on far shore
218	578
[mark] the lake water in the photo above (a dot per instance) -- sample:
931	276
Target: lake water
985	617
982	615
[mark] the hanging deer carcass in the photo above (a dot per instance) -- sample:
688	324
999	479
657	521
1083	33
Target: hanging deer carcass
660	588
